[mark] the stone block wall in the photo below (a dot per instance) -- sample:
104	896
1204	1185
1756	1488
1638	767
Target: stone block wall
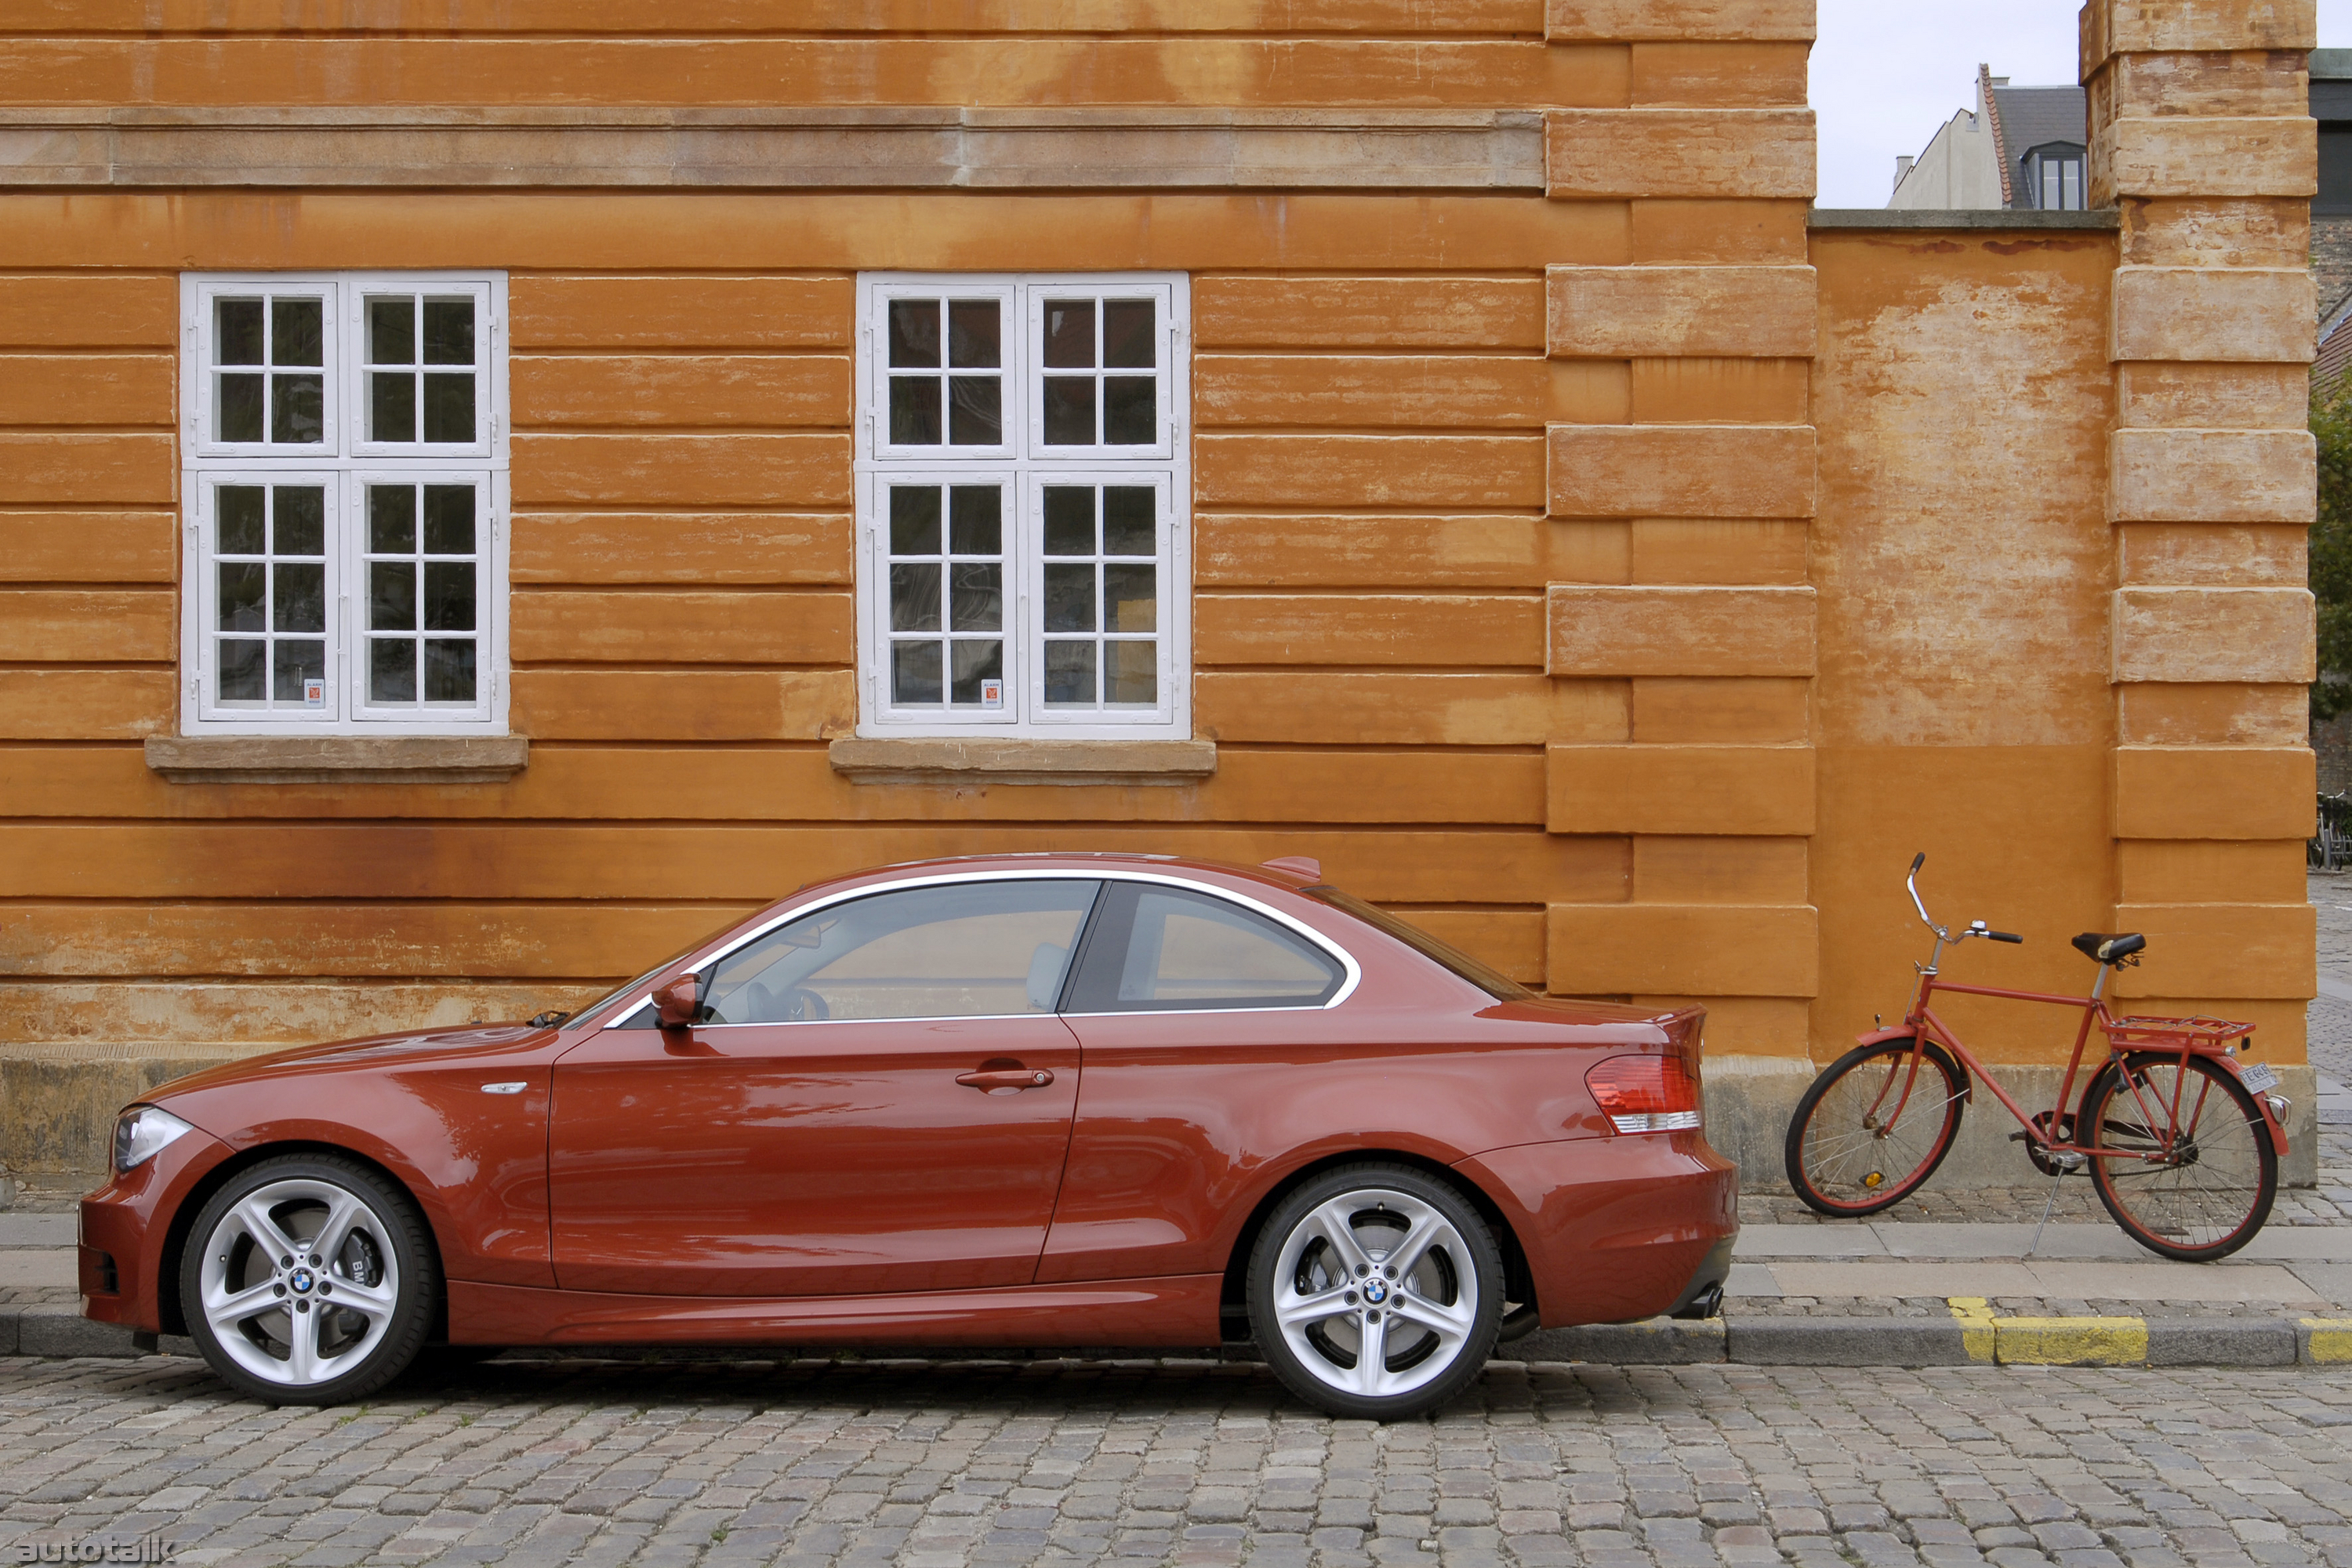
2200	135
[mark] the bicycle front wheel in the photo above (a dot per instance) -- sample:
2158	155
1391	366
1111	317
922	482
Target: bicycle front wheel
1851	1150
2183	1159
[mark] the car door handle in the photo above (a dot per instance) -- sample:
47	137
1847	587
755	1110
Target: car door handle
989	1081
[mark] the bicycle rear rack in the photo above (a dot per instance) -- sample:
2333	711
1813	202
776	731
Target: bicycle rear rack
2209	1037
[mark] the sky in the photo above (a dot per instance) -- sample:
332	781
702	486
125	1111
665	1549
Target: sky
1886	73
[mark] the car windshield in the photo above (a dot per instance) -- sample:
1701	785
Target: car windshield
1493	982
579	1014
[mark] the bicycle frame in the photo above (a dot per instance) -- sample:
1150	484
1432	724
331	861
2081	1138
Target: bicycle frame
1922	1024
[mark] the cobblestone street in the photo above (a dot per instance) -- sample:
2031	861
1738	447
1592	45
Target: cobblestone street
712	1463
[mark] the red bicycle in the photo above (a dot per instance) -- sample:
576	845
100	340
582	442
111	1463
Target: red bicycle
2181	1138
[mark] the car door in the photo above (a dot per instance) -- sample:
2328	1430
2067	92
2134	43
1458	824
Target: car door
1206	1032
878	1097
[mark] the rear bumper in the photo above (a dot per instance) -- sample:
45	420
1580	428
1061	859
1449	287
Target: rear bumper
1616	1230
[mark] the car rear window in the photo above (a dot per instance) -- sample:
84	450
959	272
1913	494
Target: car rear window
1493	982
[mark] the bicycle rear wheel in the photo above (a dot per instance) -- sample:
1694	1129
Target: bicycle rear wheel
2190	1177
1845	1156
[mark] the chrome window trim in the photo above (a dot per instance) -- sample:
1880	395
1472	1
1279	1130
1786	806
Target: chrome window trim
1354	972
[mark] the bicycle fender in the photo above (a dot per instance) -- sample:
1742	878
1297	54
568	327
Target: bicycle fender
1967	1082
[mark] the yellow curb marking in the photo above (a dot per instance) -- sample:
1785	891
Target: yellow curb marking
2059	1342
2327	1339
1976	1320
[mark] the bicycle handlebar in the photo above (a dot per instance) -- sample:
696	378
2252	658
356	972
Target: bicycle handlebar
1976	927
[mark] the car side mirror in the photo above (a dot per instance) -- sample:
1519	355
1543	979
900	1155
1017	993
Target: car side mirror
677	1003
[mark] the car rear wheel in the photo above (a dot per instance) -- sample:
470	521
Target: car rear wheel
1376	1291
308	1279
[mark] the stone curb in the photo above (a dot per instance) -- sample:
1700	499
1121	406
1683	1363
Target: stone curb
58	1329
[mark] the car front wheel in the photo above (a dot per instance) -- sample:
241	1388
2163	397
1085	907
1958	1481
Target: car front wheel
1375	1291
308	1279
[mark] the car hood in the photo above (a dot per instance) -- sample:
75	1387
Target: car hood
503	1040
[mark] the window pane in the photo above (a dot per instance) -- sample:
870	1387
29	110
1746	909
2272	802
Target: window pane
975	411
391	595
978	524
392	670
2071	172
1128	521
1128	592
449	596
291	664
914	411
1127	333
296	408
449	407
1070	674
241	663
243	588
975	661
392	518
1133	672
975	336
299	601
294	336
1070	598
914	333
976	600
301	520
236	331
915	672
1194	951
1069	410
448	670
914	520
392	331
391	406
448	519
1130	411
1069	520
240	408
1070	333
448	331
993	949
914	597
239	508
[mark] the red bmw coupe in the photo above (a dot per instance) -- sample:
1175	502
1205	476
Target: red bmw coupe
1062	1099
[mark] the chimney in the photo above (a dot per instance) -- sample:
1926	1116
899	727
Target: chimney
1901	167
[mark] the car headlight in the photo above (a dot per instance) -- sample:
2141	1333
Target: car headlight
141	1133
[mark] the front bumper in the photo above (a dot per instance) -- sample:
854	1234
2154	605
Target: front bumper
1616	1230
127	1225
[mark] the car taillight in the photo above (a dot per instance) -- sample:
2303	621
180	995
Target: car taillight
1646	1094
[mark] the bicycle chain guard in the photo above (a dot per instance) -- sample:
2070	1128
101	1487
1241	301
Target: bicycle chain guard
2043	1162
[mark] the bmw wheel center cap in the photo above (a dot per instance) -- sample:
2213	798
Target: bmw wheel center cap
301	1279
1375	1291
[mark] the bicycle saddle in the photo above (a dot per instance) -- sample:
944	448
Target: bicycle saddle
2109	948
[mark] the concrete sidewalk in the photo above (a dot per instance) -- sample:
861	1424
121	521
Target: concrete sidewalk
1884	1292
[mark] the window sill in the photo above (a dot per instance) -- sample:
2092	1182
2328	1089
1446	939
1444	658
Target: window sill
931	760
338	759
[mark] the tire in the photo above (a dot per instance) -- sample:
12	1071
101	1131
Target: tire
2215	1192
363	1299
1839	1159
1322	1281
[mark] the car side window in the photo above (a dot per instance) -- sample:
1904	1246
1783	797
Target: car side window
1159	950
972	950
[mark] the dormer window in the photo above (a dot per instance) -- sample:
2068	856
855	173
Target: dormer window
2053	177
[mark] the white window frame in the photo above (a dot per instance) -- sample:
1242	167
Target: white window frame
1022	466
347	463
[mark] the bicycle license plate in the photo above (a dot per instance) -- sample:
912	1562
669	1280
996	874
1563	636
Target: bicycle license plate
2257	1076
